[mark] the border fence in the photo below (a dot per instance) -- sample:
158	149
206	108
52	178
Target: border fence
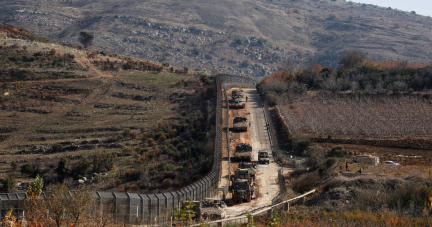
149	209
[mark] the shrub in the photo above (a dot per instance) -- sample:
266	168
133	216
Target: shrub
336	152
142	129
150	142
62	166
306	182
52	52
126	132
144	137
133	135
162	137
127	151
330	162
333	16
166	183
8	184
301	146
179	169
27	169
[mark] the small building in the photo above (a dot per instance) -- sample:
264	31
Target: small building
368	159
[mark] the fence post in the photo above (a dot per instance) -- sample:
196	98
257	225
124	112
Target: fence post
130	206
116	205
150	209
286	207
166	208
142	207
269	213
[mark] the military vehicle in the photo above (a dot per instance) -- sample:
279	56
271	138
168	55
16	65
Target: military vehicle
213	209
245	173
263	157
243	152
242	190
237	99
240	123
237	93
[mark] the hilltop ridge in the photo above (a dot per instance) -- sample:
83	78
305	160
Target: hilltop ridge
246	37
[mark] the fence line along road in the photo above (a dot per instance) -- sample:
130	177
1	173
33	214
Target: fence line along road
146	208
256	211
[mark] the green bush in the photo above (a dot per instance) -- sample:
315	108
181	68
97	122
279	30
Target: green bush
27	169
301	146
8	185
336	152
62	166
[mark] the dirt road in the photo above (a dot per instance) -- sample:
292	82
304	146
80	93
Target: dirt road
267	175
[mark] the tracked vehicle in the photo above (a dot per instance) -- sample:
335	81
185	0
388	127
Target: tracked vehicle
240	123
242	190
237	99
243	152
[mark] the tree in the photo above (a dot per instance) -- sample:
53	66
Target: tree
185	213
352	58
27	168
8	184
14	166
86	38
333	16
62	167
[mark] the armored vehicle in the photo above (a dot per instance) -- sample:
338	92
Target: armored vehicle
263	157
247	173
243	151
237	99
240	123
213	209
237	93
242	190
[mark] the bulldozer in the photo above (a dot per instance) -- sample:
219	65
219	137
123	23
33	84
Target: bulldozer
243	151
240	123
263	157
242	190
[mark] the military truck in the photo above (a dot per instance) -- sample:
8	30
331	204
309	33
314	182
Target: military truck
242	190
240	123
263	157
243	152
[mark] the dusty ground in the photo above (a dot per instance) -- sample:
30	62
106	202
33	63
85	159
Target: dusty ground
267	176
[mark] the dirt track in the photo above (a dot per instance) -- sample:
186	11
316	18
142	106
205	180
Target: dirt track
267	175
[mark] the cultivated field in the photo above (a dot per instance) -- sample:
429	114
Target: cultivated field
360	117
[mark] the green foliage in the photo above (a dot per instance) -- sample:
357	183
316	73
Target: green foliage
250	222
185	213
85	38
306	182
273	221
102	162
126	132
410	195
62	167
301	146
27	168
336	152
35	188
8	184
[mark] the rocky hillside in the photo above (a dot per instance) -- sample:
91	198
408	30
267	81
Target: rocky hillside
244	37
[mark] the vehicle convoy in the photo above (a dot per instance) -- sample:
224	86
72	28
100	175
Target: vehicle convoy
263	157
240	123
243	152
237	99
242	189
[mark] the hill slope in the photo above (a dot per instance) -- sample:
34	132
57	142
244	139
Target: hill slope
146	128
247	37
